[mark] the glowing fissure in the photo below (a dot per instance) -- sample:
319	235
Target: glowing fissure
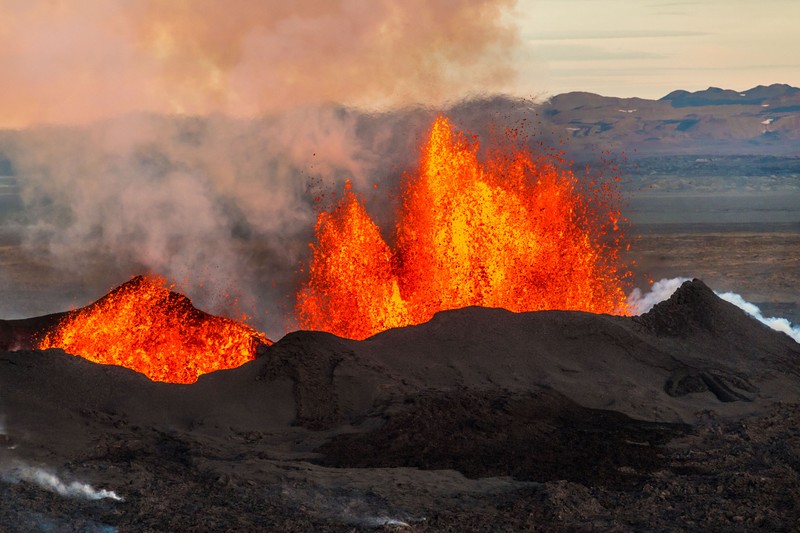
144	326
516	232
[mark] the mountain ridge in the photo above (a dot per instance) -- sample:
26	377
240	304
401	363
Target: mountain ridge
717	96
764	120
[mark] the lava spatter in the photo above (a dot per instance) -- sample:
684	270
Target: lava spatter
517	231
144	326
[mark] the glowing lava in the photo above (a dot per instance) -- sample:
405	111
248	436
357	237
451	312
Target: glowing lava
144	326
517	232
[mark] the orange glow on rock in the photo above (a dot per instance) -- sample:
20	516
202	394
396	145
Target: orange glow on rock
517	232
144	326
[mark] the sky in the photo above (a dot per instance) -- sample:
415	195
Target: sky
65	61
648	48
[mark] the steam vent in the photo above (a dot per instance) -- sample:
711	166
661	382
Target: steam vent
477	417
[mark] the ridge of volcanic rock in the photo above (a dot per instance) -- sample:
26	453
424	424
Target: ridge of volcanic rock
695	309
694	324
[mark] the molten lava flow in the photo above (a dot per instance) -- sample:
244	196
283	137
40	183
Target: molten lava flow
144	326
516	232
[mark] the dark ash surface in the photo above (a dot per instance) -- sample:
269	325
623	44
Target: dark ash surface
480	420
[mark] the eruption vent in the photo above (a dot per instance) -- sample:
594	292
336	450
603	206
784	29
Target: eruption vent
144	326
518	232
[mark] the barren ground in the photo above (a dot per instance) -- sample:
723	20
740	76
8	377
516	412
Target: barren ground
762	266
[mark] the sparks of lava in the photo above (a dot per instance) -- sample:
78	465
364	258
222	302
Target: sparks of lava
144	326
517	231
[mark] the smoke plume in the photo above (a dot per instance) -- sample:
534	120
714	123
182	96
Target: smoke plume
69	62
661	290
222	206
188	138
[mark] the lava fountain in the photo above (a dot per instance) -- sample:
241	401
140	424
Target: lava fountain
517	231
144	326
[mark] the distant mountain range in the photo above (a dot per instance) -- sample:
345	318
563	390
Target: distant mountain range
762	94
764	120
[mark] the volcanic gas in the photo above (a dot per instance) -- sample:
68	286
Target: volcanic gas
144	326
518	230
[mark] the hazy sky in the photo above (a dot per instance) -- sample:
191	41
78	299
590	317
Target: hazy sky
650	47
80	60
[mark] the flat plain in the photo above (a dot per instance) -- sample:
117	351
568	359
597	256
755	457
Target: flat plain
747	243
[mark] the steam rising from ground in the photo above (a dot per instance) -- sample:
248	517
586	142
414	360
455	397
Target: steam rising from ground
19	471
14	471
640	303
348	506
69	62
661	290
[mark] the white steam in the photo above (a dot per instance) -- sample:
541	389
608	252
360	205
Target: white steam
640	303
661	290
384	521
5	440
20	471
778	324
13	470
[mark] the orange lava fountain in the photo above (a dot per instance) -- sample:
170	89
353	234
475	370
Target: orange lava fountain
144	326
517	232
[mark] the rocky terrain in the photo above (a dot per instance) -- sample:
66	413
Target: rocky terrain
684	418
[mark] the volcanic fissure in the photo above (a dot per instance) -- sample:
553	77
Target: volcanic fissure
517	231
503	227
